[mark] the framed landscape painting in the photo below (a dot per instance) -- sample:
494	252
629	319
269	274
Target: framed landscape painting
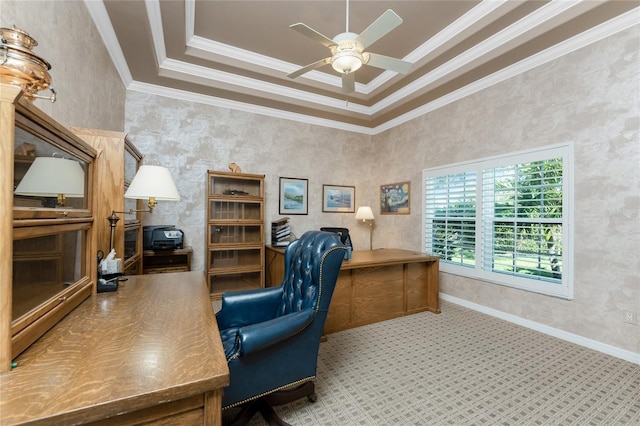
294	198
394	198
338	199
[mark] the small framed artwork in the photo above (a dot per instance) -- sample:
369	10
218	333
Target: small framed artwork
338	199
294	198
395	198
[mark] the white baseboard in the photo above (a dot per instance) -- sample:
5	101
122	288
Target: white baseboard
551	331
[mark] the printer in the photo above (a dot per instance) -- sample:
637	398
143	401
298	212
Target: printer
162	237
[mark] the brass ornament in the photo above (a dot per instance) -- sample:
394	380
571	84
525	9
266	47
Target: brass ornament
20	66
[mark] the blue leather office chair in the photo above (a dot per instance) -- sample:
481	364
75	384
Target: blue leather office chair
271	336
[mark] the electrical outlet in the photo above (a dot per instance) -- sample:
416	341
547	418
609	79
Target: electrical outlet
630	317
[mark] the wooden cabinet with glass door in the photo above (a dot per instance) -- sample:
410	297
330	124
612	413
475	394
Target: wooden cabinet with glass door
115	167
132	222
235	232
48	267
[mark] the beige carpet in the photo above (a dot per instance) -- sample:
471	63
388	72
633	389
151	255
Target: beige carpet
464	368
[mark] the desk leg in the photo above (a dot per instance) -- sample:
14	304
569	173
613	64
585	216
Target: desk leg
213	408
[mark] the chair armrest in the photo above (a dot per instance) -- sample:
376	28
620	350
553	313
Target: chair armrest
258	336
248	307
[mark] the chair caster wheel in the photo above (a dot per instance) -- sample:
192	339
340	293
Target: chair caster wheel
313	397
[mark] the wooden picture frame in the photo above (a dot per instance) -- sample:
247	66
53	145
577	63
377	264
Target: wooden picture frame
395	198
338	199
294	196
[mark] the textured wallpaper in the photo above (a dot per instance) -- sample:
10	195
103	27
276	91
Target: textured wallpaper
192	138
589	97
89	90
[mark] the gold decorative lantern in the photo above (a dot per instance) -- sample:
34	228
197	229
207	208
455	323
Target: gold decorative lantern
20	66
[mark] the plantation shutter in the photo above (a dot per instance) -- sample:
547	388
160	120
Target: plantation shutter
523	219
450	212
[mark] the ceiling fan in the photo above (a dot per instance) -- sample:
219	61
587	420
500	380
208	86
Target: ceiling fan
347	49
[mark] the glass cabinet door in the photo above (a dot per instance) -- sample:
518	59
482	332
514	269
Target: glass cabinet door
49	182
52	223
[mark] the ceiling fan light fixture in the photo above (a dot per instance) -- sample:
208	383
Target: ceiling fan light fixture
347	61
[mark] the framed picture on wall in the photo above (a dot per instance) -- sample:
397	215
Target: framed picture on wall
338	199
294	198
395	198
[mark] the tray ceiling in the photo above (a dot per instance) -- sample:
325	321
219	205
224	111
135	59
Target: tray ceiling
237	54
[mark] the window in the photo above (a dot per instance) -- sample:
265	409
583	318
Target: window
504	219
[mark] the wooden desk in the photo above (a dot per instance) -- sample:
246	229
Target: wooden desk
150	352
375	285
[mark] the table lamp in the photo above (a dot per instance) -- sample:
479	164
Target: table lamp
152	183
53	177
365	214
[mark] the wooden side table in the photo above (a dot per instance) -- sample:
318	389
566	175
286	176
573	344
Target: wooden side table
161	261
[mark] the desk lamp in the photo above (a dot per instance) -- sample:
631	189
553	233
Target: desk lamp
365	214
152	183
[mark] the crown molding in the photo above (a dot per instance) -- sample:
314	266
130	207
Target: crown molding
179	69
443	37
100	17
154	17
183	95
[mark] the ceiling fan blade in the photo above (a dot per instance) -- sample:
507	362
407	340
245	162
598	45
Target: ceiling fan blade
312	34
389	63
310	67
380	27
348	83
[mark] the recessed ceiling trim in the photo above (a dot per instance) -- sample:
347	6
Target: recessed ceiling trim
479	51
154	17
595	34
242	106
457	27
202	47
100	17
549	17
600	32
189	19
466	21
185	72
523	26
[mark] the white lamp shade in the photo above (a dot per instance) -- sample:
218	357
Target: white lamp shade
364	213
52	176
153	182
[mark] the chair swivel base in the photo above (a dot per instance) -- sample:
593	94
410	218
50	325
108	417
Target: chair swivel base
265	405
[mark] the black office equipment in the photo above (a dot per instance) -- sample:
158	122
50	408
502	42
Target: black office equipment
344	235
162	237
